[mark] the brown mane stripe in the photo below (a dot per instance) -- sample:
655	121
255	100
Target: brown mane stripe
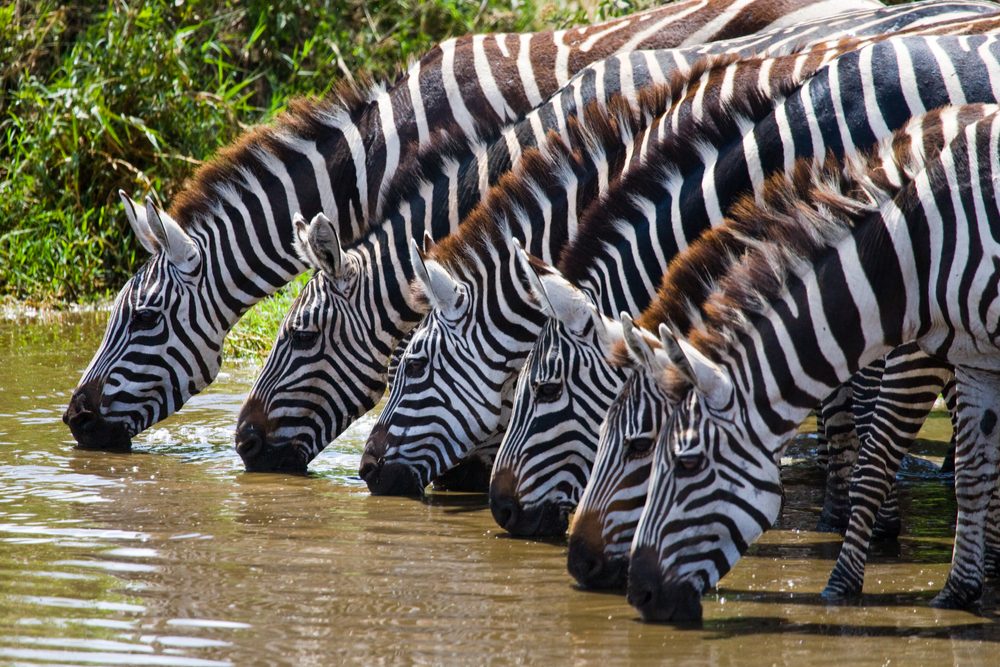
304	117
678	151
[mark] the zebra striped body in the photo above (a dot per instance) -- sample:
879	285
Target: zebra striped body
598	553
228	239
431	421
817	113
306	395
899	251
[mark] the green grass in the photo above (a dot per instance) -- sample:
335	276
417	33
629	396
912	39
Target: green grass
254	334
97	96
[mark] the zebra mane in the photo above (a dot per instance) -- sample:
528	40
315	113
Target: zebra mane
304	117
675	155
735	268
599	134
733	273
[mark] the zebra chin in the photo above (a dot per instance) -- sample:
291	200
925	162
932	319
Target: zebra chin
593	568
544	519
659	598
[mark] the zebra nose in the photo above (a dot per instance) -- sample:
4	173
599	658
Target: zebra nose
89	428
588	559
250	442
369	469
503	504
644	583
584	563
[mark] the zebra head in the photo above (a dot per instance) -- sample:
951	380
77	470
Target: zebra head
160	346
452	392
709	495
605	519
561	396
317	378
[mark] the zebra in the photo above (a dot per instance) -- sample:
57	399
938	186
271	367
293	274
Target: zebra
849	239
604	523
313	386
544	459
227	241
441	424
417	398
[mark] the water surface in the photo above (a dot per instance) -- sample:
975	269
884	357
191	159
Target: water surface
172	555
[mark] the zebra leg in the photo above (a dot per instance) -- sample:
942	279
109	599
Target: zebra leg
992	560
950	398
976	458
887	522
866	387
841	438
907	391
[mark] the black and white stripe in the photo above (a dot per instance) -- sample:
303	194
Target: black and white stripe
306	397
899	254
566	387
338	157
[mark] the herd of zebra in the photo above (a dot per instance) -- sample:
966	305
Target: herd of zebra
607	272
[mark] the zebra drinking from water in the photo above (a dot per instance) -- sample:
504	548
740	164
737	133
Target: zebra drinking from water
316	382
227	241
906	252
816	112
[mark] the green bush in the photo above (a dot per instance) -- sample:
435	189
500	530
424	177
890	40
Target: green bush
97	96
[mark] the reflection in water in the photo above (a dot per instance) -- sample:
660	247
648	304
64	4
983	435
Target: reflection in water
173	555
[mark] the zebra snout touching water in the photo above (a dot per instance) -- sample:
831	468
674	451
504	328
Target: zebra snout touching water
904	241
612	502
663	204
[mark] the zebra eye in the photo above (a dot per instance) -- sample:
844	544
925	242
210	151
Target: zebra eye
638	447
690	464
547	392
303	338
144	319
415	367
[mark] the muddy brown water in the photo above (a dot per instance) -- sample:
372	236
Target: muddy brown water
172	555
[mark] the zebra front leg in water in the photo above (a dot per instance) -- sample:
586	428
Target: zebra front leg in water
909	387
976	457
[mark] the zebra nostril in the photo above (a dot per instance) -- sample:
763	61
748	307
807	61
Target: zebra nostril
249	441
583	563
82	421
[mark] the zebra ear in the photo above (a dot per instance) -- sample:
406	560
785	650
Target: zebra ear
641	347
178	246
534	281
136	215
707	378
428	242
442	290
569	304
324	245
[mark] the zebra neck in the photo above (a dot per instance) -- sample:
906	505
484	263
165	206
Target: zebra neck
859	299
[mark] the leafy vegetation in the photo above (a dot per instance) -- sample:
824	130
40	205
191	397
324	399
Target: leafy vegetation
99	96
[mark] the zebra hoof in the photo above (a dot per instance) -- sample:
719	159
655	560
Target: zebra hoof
831	524
840	594
958	597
